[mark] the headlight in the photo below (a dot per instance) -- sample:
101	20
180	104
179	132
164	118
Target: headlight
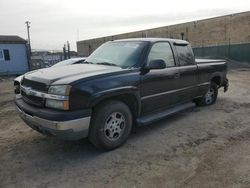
60	92
60	89
57	104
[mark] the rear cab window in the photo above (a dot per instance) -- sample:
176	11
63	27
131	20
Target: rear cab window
185	55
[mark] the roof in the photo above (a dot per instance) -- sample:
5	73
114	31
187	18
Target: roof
177	41
11	39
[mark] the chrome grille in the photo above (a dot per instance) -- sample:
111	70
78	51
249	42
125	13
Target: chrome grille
33	100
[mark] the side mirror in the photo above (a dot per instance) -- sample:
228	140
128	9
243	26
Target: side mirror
157	64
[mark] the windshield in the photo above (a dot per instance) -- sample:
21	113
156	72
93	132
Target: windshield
118	53
66	62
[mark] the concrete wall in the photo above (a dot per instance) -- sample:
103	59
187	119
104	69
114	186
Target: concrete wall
18	63
231	30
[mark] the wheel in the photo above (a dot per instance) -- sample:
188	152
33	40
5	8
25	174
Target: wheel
210	97
111	125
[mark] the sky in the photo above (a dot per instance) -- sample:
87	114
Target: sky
53	22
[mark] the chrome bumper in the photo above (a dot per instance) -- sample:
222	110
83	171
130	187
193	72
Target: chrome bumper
68	130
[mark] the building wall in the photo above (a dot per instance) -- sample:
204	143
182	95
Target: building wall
206	36
18	63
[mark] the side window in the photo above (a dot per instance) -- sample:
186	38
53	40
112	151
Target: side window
6	55
185	55
162	50
1	55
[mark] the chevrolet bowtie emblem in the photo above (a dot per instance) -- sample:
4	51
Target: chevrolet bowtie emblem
29	91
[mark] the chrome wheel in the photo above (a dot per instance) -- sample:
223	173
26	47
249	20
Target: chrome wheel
114	126
209	97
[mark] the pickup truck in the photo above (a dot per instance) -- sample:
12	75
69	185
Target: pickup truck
122	83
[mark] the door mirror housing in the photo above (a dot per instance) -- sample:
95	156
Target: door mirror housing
157	64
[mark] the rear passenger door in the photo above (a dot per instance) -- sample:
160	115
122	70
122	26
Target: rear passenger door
158	86
188	72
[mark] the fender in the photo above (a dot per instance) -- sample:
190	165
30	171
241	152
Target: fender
216	74
126	90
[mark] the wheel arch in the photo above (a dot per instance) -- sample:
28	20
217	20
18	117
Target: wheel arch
216	78
131	99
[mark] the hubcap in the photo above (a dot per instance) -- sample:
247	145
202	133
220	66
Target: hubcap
210	96
114	126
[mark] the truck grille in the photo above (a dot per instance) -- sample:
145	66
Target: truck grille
33	100
38	86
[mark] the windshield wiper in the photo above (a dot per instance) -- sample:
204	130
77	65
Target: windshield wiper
107	63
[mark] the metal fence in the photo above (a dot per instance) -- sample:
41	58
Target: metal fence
238	52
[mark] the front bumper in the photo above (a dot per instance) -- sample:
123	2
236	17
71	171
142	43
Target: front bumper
64	125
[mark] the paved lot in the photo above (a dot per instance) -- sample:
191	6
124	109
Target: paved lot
203	147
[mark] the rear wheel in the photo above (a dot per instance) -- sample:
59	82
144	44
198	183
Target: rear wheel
111	125
210	97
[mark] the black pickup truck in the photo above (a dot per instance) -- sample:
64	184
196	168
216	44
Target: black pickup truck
122	83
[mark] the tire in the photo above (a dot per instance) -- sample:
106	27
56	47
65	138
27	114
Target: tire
110	125
210	97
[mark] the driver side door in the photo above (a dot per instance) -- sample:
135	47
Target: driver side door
159	86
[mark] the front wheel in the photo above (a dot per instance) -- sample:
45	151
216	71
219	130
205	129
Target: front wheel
111	125
210	97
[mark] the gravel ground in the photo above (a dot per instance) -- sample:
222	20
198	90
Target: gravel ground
202	147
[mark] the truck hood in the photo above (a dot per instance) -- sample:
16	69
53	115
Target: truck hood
69	74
